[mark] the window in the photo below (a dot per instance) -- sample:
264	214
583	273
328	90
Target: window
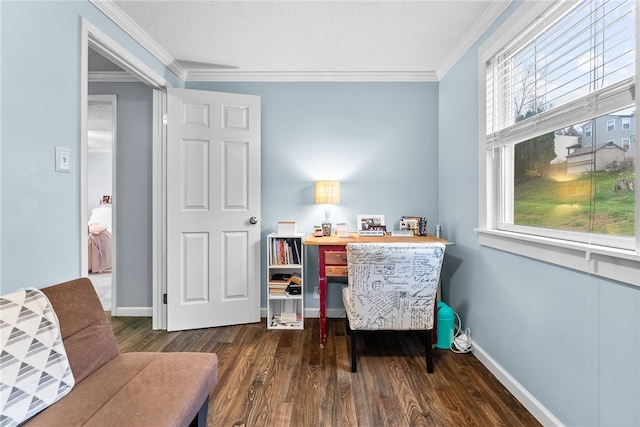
626	143
554	90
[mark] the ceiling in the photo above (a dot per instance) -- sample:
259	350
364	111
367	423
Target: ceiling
362	40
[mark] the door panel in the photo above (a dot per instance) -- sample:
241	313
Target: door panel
195	255
195	157
236	173
213	188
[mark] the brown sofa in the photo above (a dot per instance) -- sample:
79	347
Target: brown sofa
122	389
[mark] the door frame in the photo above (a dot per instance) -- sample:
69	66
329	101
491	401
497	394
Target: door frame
91	36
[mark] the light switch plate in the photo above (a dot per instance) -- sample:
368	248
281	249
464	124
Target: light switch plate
63	159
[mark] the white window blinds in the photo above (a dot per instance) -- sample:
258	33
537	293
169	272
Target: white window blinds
576	60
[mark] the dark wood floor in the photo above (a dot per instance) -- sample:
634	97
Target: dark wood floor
283	378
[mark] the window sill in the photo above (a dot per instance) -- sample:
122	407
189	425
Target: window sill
616	264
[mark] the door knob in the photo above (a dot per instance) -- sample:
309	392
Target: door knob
253	220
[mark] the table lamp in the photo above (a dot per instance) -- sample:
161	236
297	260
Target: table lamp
327	193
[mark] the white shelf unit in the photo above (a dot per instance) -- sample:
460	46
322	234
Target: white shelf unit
285	258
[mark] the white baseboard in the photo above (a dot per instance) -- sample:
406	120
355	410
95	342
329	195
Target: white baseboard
133	312
539	411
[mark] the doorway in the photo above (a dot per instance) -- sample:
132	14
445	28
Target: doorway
101	164
94	41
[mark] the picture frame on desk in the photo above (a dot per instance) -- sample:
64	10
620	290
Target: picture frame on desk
370	222
410	223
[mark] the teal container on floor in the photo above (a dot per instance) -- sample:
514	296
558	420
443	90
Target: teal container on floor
446	322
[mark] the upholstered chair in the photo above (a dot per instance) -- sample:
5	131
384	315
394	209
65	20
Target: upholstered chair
392	286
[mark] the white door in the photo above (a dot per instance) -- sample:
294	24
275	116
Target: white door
213	207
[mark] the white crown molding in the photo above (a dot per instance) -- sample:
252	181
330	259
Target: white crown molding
475	32
313	76
111	77
113	12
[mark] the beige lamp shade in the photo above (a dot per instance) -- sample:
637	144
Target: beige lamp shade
328	192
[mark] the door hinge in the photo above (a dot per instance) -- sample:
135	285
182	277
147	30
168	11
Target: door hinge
164	298
165	119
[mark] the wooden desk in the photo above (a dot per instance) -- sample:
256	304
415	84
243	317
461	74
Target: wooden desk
332	262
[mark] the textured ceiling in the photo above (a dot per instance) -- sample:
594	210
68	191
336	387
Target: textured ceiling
313	36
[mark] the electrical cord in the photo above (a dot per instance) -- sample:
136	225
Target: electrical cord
461	342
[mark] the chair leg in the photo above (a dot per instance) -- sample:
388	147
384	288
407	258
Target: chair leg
354	367
429	351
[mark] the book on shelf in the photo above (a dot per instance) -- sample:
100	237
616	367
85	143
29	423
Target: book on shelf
285	251
280	277
287	317
296	251
278	285
278	321
296	279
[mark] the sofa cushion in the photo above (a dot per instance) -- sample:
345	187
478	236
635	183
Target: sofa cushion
85	329
34	365
137	389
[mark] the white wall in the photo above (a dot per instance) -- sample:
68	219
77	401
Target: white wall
99	178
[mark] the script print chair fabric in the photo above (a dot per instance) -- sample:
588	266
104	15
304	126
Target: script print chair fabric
392	286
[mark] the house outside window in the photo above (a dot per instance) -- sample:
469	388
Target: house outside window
552	171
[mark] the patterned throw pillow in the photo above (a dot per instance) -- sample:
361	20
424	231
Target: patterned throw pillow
33	360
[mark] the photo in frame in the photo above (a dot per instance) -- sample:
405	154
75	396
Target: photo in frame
370	222
410	223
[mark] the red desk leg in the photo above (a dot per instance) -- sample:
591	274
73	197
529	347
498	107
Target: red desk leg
322	290
322	287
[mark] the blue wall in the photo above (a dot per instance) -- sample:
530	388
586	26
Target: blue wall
572	340
378	139
40	107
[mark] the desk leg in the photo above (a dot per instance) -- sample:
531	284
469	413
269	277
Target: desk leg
322	290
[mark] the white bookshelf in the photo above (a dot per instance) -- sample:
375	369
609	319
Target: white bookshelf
285	259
